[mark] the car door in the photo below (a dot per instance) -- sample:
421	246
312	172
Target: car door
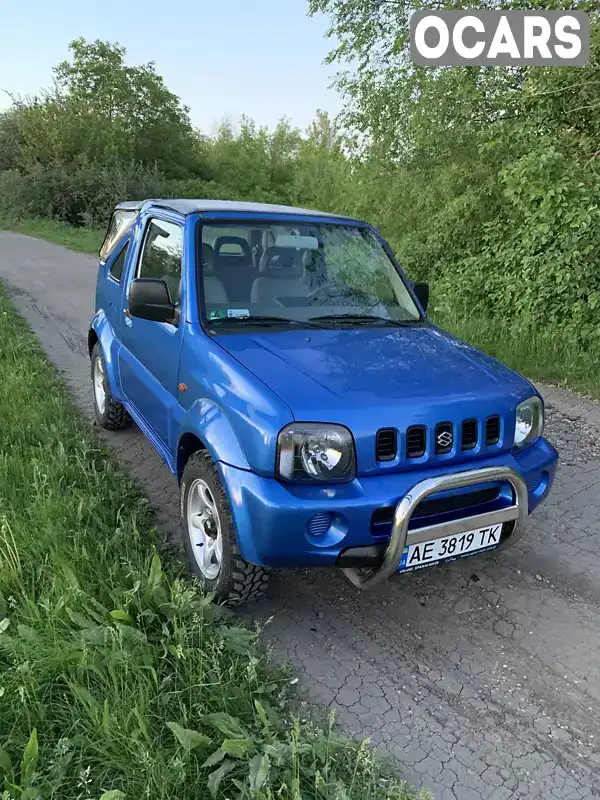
149	353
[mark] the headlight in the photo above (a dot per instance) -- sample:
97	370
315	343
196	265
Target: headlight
530	421
308	451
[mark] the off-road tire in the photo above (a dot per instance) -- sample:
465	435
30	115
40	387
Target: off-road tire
115	416
237	581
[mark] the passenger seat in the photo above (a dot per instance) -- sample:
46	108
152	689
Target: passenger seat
281	275
214	291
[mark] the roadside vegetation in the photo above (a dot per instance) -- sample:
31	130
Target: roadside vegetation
544	354
118	679
486	182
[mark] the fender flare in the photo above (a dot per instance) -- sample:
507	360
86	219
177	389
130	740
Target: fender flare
207	423
101	331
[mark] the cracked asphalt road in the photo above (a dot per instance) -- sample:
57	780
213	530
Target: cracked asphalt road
480	679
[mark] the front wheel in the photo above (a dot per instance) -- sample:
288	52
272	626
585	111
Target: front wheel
110	413
209	539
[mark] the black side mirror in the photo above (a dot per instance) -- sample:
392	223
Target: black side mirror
422	292
149	299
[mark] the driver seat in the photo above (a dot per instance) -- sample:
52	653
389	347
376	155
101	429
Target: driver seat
281	274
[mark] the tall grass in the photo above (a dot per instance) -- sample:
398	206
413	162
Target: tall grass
118	679
542	355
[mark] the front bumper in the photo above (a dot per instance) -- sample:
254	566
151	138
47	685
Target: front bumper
273	520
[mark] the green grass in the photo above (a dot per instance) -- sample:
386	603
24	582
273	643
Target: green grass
117	677
85	240
539	355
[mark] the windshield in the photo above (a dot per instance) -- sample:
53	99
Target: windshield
291	274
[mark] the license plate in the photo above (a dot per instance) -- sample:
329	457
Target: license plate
426	554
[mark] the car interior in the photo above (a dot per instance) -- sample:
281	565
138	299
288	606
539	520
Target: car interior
257	272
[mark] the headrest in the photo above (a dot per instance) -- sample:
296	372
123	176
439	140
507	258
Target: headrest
208	259
237	240
281	262
312	260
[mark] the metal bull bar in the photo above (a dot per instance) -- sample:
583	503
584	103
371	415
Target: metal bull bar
406	506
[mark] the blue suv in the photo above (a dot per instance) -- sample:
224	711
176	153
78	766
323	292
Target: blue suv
285	369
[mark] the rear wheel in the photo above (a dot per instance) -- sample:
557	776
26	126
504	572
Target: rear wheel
110	413
209	538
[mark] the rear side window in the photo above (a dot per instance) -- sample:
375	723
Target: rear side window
120	222
116	270
161	255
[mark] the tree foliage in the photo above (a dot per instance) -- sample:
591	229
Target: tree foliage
485	181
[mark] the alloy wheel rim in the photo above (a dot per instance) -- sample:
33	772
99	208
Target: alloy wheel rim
204	526
99	385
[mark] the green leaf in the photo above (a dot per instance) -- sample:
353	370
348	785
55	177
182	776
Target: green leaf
238	640
27	633
237	747
3	606
259	771
4	623
5	763
215	778
187	737
228	725
121	615
262	714
84	695
30	757
132	634
155	576
70	576
80	619
105	717
215	758
113	794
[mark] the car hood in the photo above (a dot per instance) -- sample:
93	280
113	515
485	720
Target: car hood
329	370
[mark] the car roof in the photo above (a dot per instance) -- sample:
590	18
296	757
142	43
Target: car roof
236	207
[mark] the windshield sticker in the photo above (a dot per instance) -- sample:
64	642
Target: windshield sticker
238	312
216	313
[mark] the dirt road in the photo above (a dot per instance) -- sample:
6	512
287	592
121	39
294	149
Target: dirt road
482	679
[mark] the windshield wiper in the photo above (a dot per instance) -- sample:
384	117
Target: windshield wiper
265	320
366	318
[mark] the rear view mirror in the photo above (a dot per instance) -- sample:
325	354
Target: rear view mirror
422	292
149	299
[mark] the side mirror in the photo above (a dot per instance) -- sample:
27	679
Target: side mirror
149	299
422	292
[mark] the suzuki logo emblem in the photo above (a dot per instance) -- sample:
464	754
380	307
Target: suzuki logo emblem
444	439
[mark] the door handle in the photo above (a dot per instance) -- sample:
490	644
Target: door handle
127	313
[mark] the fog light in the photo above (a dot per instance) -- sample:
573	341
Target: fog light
319	524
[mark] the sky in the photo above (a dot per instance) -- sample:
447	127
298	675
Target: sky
223	58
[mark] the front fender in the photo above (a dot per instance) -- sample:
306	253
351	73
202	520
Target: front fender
206	421
102	331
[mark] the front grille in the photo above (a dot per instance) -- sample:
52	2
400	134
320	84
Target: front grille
416	440
492	430
444	437
383	517
469	434
386	445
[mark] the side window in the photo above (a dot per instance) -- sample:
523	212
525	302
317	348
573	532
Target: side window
120	222
161	255
116	270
